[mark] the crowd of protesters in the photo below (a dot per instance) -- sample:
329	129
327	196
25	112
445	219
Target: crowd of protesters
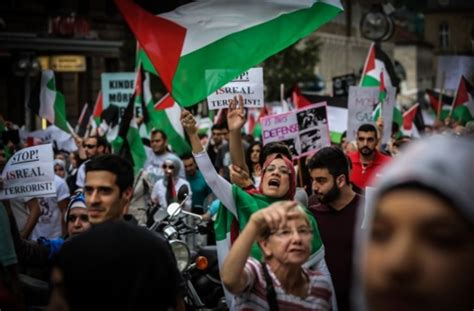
302	236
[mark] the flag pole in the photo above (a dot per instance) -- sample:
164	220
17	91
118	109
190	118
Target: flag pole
300	173
440	97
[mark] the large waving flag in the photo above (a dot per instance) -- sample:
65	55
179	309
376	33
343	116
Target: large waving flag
201	46
48	103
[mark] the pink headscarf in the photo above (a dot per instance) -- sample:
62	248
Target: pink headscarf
292	178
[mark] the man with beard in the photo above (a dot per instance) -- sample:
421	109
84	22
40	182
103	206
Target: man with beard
334	204
367	161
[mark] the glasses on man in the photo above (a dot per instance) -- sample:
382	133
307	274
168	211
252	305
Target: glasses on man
72	218
281	169
286	233
89	146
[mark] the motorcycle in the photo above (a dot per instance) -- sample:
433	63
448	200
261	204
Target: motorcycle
199	267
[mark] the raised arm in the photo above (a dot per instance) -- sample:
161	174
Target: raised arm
235	121
233	274
221	187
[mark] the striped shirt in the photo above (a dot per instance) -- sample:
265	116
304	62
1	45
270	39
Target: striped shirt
254	296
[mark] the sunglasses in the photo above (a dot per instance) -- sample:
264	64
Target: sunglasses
89	146
72	218
165	166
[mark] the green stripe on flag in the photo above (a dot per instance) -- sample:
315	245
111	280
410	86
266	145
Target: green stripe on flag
59	106
189	83
370	81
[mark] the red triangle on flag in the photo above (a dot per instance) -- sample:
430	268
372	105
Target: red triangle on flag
165	102
370	62
99	106
162	47
298	99
409	117
462	93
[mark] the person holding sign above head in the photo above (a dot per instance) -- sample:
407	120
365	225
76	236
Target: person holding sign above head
367	160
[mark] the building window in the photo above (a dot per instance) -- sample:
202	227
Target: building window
443	35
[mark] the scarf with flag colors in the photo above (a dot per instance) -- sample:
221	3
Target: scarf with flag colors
201	46
48	103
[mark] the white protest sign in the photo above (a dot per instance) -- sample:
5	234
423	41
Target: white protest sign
249	84
361	105
303	130
117	88
29	173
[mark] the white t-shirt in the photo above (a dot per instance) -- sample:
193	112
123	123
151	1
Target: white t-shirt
154	162
159	192
49	222
81	175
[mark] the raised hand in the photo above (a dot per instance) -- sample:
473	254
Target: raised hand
188	122
236	114
274	216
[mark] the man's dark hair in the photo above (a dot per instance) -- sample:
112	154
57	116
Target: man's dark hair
187	156
102	141
367	128
333	159
121	168
163	134
274	148
217	126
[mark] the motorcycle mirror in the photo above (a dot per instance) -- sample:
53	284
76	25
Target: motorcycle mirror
173	209
182	193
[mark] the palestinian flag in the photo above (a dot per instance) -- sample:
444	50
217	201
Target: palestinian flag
378	67
378	63
128	143
464	98
84	119
299	101
165	115
382	95
201	46
460	113
98	108
408	119
48	103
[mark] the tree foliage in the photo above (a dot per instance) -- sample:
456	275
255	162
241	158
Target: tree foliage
293	65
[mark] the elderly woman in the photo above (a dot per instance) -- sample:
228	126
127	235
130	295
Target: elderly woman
418	252
283	232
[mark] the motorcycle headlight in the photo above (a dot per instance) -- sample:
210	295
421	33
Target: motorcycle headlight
181	253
